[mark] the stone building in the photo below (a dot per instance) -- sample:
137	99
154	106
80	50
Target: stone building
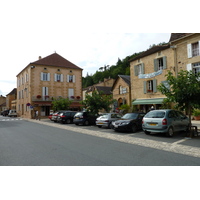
147	71
47	78
121	90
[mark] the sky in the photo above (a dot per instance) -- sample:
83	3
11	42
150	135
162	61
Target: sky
88	33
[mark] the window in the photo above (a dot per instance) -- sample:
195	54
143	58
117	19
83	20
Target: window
71	78
160	63
45	76
193	49
195	67
58	77
150	86
122	90
71	93
139	69
45	92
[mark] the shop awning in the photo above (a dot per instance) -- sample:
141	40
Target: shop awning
148	101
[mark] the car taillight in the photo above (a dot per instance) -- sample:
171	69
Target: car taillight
164	122
142	121
107	121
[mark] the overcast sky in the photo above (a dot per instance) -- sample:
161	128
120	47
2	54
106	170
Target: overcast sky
88	33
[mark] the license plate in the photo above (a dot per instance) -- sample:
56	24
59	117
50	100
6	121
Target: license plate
152	124
100	123
116	126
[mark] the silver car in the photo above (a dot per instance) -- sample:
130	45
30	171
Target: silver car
165	121
106	119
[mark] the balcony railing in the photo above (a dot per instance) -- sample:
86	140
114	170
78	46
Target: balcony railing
50	98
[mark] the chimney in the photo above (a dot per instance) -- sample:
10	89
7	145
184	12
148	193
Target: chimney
40	57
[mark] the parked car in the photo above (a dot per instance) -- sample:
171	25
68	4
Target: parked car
50	116
12	113
130	122
166	121
54	117
106	119
84	118
66	117
5	112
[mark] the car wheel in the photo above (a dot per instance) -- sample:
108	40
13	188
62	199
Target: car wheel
86	123
99	126
68	121
170	132
76	124
147	132
133	128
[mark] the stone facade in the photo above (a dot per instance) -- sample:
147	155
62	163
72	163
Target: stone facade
187	52
45	79
122	91
147	71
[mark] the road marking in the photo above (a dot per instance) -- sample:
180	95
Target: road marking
165	146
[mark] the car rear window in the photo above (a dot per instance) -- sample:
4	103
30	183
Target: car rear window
130	116
155	114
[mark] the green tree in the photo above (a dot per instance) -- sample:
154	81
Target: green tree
183	90
61	104
97	101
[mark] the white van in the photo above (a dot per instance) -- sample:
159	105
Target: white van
12	113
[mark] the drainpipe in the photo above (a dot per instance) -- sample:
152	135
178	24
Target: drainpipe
175	60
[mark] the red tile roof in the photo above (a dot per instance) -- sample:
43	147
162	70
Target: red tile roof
55	60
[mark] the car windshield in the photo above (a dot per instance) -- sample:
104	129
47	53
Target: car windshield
130	116
79	114
104	116
155	114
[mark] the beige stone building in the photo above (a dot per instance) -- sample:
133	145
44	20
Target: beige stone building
2	103
121	90
186	47
10	98
47	78
147	71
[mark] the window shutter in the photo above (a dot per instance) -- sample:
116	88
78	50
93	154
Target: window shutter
43	91
136	70
165	62
199	47
74	79
67	78
48	77
155	65
189	67
145	87
189	50
154	85
142	66
41	76
55	77
61	77
47	91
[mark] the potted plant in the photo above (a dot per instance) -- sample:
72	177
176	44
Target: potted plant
196	114
38	96
46	96
72	97
78	97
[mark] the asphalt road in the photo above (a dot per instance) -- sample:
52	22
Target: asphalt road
44	143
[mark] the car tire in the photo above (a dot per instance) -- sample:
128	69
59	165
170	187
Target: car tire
86	123
147	132
76	124
170	132
99	126
133	128
68	121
